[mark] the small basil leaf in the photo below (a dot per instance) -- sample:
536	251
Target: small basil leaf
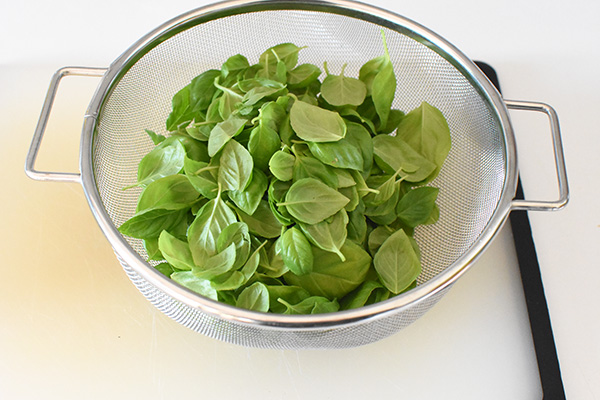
296	251
311	201
262	223
425	130
310	167
235	167
255	297
331	277
340	154
202	177
311	305
173	192
328	235
416	206
175	251
340	90
204	231
396	262
164	160
281	165
223	132
149	224
288	294
303	75
192	282
368	293
315	124
248	199
264	142
216	265
393	154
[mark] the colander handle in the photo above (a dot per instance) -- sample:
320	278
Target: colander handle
559	159
43	121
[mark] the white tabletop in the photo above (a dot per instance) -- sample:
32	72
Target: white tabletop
72	325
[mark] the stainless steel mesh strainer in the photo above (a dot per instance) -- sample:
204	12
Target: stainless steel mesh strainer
477	184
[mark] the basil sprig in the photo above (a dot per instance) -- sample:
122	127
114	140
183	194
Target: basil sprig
273	190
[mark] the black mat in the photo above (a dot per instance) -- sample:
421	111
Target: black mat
537	308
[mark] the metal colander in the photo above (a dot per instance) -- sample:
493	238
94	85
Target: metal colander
477	183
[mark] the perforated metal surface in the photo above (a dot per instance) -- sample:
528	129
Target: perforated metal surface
471	182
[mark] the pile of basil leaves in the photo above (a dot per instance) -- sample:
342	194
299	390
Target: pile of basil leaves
276	191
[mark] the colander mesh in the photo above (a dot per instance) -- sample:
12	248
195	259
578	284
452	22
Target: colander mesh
470	182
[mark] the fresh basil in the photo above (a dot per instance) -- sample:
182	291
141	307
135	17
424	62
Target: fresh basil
396	262
340	90
315	124
311	201
296	251
275	191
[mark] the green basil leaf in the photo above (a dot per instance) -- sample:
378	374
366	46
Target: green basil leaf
262	222
176	252
223	132
149	224
229	101
296	251
396	262
264	142
182	111
352	194
202	176
360	138
384	186
288	294
328	235
377	237
303	75
394	154
192	282
166	269
311	201
235	168
416	206
310	167
202	90
352	115
286	52
248	199
383	90
216	265
315	124
357	224
340	154
173	192
369	292
236	279
345	177
238	235
156	138
255	297
246	85
369	71
151	247
204	231
164	160
311	305
281	165
331	277
340	90
234	65
425	129
393	121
